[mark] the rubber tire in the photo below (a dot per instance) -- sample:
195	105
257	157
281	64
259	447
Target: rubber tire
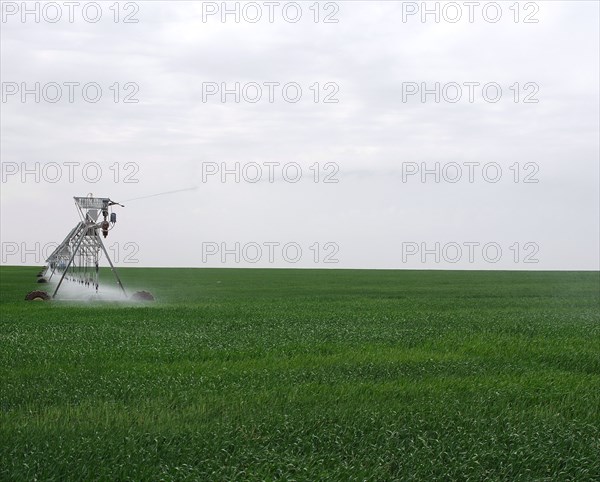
142	296
37	296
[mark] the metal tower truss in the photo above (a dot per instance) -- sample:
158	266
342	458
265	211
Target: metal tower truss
77	258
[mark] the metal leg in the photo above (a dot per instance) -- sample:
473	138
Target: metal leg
52	274
112	266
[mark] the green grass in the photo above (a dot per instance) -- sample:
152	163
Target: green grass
306	375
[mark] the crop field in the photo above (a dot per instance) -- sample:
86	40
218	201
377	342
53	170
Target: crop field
239	374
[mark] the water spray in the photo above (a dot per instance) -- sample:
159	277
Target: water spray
162	194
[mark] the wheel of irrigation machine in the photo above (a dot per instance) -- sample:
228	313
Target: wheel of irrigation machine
142	296
42	280
37	296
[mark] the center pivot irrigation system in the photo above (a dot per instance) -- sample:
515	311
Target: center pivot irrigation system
76	259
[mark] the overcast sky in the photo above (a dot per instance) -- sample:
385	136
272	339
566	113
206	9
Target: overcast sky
374	136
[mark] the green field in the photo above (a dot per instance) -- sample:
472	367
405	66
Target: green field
305	375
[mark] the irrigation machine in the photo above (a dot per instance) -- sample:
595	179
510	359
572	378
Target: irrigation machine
76	260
